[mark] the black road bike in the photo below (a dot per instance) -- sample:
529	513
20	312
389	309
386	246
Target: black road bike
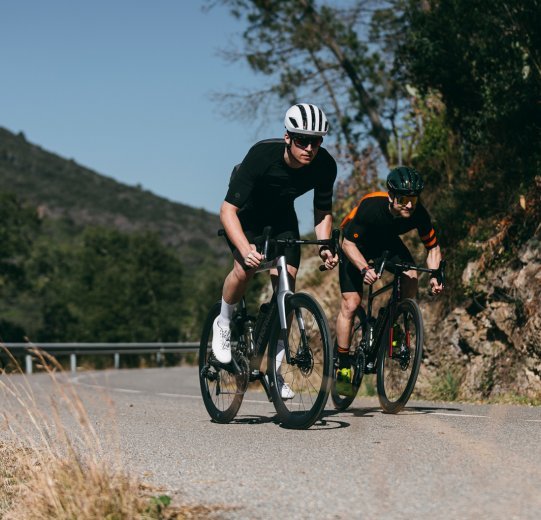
390	345
299	353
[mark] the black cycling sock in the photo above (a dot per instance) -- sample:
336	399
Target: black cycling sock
343	358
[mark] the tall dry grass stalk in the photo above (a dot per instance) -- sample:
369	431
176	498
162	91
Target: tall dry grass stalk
53	464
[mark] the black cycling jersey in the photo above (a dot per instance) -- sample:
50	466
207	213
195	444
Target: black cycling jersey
264	187
373	228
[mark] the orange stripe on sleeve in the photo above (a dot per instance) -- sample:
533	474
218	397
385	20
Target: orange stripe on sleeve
432	243
429	236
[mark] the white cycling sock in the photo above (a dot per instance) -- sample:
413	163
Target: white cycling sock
226	312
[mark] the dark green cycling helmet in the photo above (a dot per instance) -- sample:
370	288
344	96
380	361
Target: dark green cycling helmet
404	181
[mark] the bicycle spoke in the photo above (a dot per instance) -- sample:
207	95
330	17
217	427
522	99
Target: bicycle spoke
222	391
400	357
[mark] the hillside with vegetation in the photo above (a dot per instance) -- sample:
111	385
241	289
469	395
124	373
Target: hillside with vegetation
86	258
67	192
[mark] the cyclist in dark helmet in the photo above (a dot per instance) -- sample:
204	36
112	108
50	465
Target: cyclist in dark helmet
261	193
374	226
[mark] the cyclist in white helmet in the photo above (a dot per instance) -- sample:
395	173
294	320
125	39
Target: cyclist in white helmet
261	193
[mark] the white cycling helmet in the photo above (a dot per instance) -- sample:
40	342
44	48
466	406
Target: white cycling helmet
306	119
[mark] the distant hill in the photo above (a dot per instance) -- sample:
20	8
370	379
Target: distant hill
67	192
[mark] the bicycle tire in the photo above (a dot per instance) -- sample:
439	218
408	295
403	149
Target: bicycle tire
310	373
342	402
398	364
222	406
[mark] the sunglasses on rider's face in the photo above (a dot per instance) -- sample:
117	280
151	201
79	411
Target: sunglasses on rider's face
303	141
403	200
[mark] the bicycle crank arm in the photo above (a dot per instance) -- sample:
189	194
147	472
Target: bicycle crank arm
232	367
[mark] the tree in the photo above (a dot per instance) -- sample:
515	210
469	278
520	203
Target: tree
485	61
335	54
114	287
19	226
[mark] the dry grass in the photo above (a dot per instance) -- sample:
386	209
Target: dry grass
53	465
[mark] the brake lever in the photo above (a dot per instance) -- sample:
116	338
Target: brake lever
267	230
383	260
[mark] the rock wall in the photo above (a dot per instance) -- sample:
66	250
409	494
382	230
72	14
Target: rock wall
493	345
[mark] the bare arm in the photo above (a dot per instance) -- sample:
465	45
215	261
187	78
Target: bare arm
433	262
358	260
322	223
323	228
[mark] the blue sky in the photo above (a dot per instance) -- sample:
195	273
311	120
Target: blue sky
123	87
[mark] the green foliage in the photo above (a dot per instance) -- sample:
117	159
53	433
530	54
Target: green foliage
157	506
446	386
19	225
105	286
483	57
113	287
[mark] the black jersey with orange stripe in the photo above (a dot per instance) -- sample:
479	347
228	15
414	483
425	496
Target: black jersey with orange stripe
371	225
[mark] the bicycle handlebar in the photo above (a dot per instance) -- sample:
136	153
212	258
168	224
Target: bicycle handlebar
385	263
264	241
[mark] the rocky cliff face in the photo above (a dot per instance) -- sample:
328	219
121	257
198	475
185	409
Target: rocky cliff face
493	345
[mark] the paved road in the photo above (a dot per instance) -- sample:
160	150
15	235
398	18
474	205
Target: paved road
433	460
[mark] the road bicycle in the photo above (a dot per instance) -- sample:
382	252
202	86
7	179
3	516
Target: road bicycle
390	345
299	353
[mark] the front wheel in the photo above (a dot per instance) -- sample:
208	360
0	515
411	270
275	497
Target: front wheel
300	388
400	356
222	391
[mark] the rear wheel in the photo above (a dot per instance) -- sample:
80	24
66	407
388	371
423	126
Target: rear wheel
308	375
342	401
222	391
400	356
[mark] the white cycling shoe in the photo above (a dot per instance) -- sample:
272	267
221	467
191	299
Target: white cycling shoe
285	389
221	341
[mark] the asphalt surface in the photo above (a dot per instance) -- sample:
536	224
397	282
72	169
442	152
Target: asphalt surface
433	460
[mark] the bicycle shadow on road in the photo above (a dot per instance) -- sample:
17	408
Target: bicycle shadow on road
321	424
371	411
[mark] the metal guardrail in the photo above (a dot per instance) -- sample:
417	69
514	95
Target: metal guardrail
75	349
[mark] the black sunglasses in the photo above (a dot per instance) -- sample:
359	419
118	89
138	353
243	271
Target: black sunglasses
303	141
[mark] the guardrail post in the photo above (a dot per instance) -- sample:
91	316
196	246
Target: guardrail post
28	362
73	362
159	360
117	360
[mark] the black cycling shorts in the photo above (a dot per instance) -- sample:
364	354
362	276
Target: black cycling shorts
292	253
351	279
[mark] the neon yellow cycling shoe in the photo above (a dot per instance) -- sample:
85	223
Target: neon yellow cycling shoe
343	384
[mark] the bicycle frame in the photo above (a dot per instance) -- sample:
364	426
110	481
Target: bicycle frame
394	299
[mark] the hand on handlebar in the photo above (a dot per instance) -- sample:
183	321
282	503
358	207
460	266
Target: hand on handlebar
435	286
370	275
330	260
253	258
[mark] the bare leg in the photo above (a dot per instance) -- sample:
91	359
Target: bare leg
349	303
